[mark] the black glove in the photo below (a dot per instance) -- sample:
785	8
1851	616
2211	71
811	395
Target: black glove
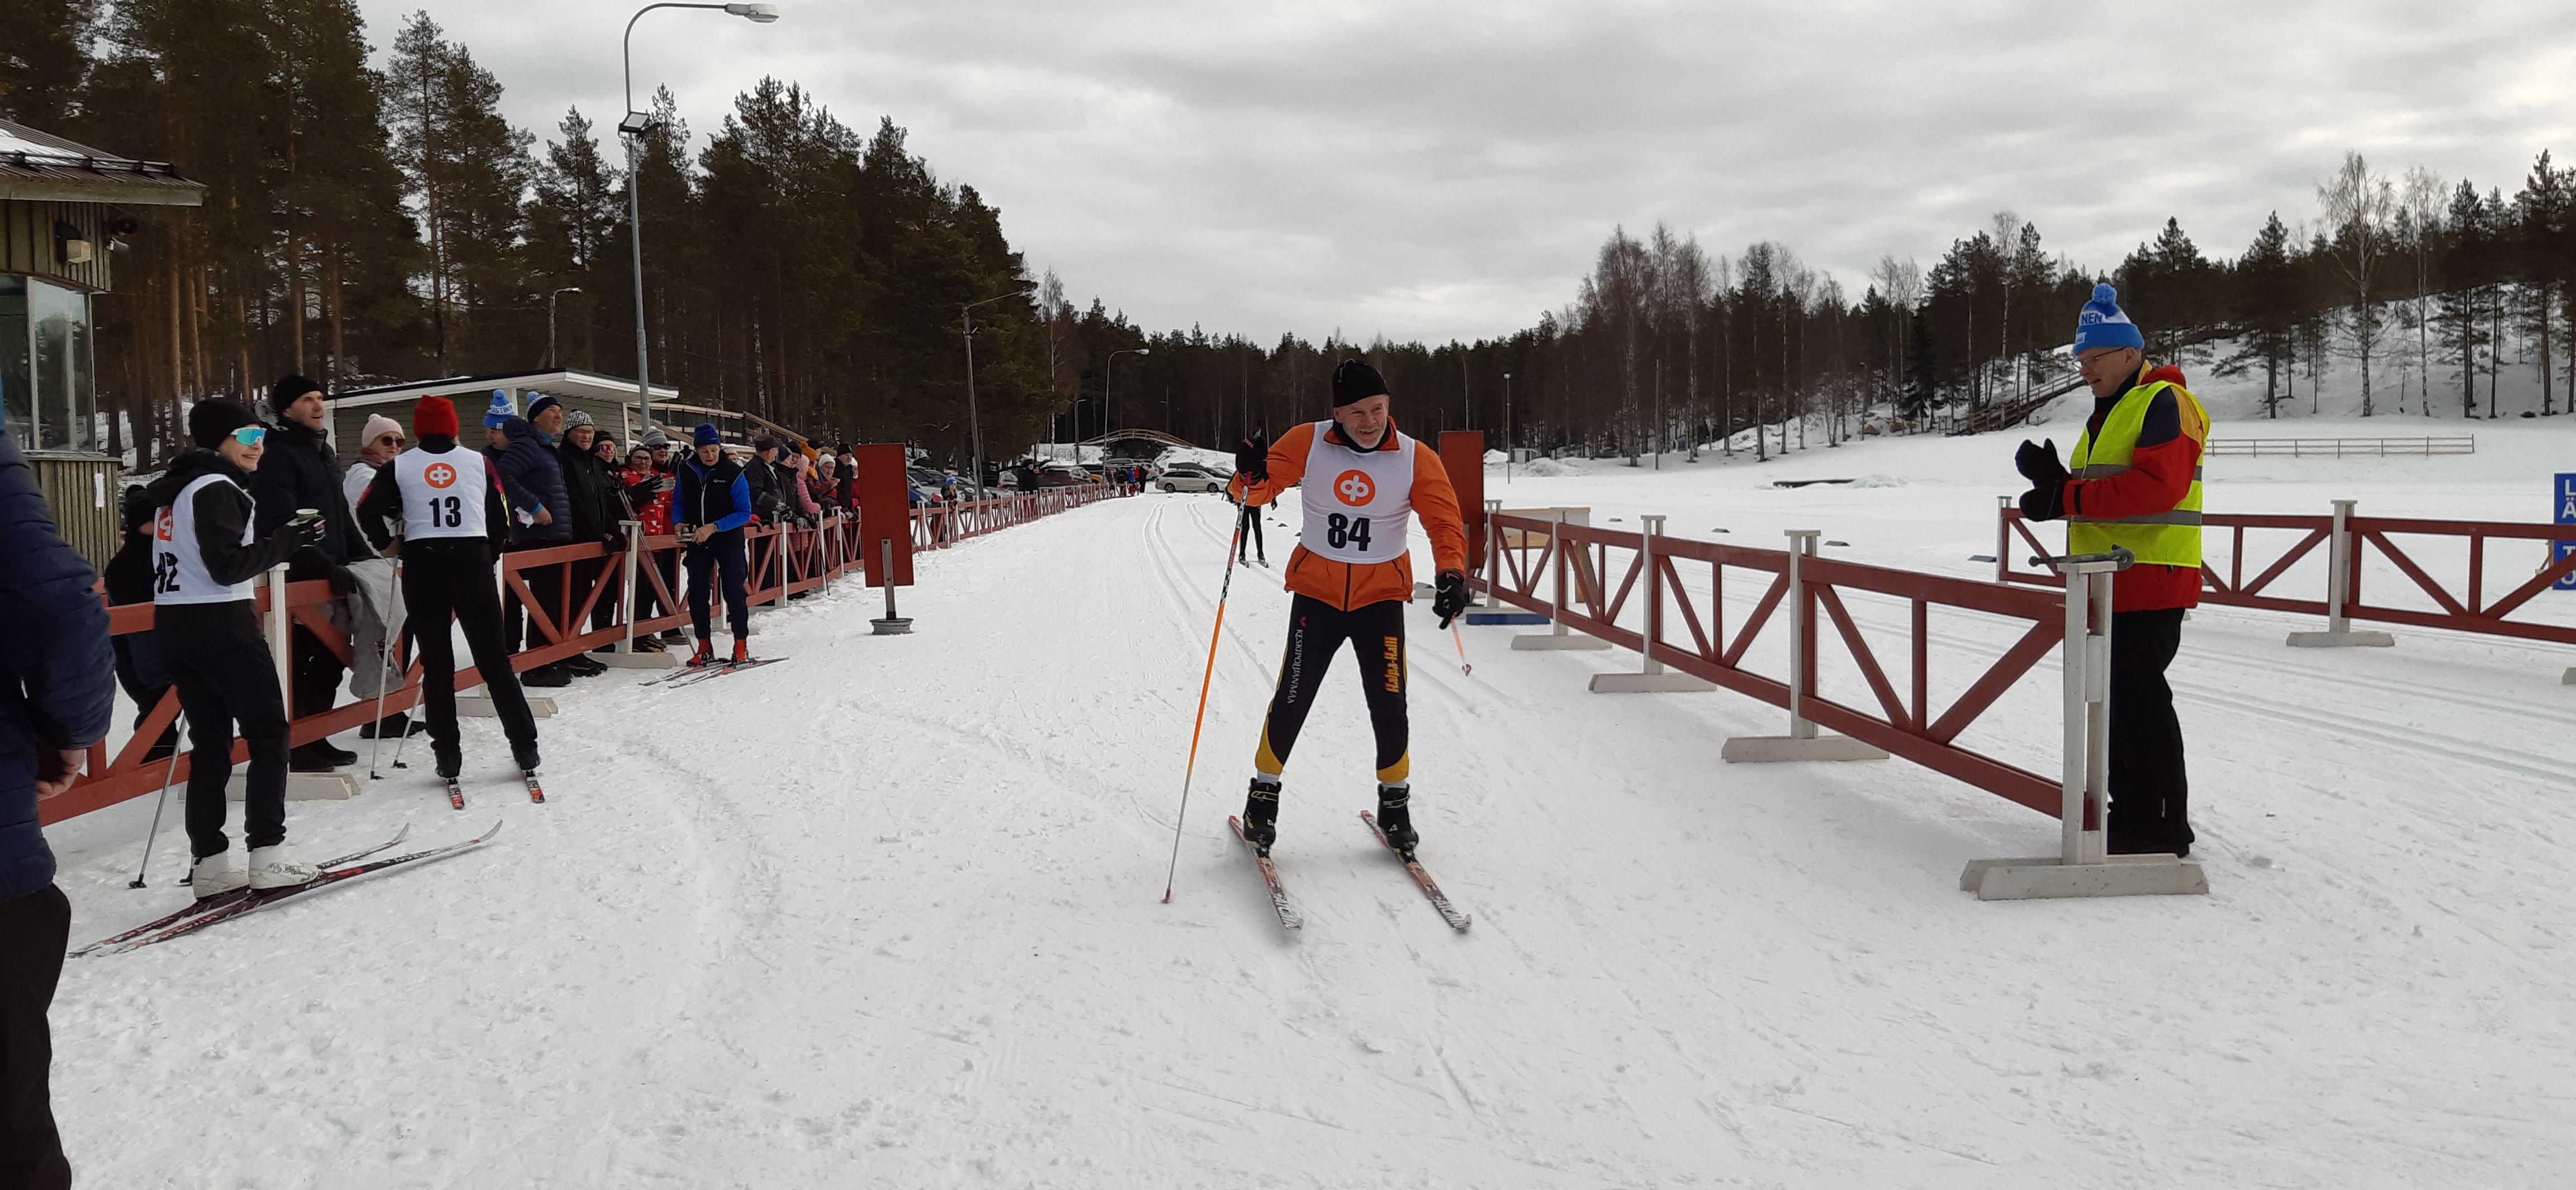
1449	596
2039	464
342	582
1252	459
2044	503
304	534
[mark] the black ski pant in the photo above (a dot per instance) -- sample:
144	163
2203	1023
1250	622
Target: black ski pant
720	554
34	928
227	682
1375	633
1248	534
317	670
451	580
546	584
2150	794
138	669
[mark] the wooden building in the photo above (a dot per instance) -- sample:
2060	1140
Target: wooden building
63	214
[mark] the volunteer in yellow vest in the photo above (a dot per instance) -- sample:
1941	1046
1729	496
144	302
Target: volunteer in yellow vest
1352	575
2136	483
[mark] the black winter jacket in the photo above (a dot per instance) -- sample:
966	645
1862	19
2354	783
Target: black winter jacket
299	470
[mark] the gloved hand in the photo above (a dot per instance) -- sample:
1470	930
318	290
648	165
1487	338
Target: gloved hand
305	533
1252	459
2044	503
2039	464
1449	596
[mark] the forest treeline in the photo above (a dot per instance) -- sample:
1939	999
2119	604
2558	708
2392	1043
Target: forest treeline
371	224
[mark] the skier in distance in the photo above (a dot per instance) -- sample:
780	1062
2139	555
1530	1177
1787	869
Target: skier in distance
1351	575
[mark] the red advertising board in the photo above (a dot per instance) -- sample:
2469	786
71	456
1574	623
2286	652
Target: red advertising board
884	512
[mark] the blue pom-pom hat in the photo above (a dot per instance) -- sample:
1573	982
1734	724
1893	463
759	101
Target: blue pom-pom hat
2104	324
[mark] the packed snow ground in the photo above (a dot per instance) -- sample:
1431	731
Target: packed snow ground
888	914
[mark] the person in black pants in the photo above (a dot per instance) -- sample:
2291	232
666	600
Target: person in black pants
454	521
55	700
205	555
714	503
138	658
299	470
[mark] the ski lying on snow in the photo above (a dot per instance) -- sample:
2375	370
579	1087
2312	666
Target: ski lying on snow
1439	900
1288	915
264	898
685	670
221	899
712	672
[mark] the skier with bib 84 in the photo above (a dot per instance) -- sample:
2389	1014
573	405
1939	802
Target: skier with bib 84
1364	482
455	522
204	558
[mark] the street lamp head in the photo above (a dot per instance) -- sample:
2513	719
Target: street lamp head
1144	351
761	14
637	124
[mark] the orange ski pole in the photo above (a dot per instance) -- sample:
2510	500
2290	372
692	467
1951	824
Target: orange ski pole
1191	770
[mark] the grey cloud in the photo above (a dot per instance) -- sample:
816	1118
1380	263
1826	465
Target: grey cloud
1446	169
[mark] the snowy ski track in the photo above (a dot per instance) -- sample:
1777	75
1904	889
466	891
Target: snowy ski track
886	915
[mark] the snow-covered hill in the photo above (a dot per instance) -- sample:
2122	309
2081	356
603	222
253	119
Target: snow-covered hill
887	914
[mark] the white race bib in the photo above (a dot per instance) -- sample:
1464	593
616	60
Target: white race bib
442	494
1359	504
178	569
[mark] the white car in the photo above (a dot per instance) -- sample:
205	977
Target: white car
1194	477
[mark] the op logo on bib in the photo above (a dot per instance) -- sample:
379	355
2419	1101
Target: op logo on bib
439	475
161	524
1354	488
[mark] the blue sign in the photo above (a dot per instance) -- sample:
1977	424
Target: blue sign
2565	514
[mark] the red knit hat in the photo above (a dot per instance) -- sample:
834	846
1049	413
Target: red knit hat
433	415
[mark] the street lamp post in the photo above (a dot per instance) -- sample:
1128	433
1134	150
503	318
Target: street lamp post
1507	427
550	321
974	418
1106	408
633	128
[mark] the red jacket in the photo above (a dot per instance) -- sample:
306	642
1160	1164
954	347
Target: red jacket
2158	477
656	512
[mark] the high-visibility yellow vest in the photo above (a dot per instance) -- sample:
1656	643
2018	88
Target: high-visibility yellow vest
2161	538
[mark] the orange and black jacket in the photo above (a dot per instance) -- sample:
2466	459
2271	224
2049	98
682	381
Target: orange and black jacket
1347	585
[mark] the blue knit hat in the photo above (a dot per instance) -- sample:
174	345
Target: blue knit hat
2104	324
501	410
705	434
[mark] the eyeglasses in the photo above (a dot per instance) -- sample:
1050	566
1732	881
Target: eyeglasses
250	435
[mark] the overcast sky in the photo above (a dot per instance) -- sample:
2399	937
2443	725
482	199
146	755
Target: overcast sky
1439	170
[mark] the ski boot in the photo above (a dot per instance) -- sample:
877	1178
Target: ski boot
1395	818
1261	814
741	649
214	874
525	755
449	758
269	868
706	653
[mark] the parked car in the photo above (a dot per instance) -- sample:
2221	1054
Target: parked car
1195	477
1062	475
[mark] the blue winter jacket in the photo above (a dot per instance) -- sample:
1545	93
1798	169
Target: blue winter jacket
57	677
532	477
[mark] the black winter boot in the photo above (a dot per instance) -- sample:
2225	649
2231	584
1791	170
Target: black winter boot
1395	818
526	755
450	759
1261	814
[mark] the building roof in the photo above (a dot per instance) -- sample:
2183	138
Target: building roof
42	167
562	382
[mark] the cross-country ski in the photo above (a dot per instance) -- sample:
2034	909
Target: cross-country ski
1449	913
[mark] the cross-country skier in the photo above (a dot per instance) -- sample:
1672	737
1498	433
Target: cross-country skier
1352	575
204	557
713	504
455	522
1247	520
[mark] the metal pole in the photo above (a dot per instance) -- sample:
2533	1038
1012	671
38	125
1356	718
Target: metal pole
1507	427
1802	542
2072	657
635	240
2003	537
885	570
974	419
2097	721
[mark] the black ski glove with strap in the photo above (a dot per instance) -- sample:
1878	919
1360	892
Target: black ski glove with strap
1449	597
2039	464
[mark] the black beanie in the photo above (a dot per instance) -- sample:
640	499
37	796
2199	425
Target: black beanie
1355	380
212	418
287	389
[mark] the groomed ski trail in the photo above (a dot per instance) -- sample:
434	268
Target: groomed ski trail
891	915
